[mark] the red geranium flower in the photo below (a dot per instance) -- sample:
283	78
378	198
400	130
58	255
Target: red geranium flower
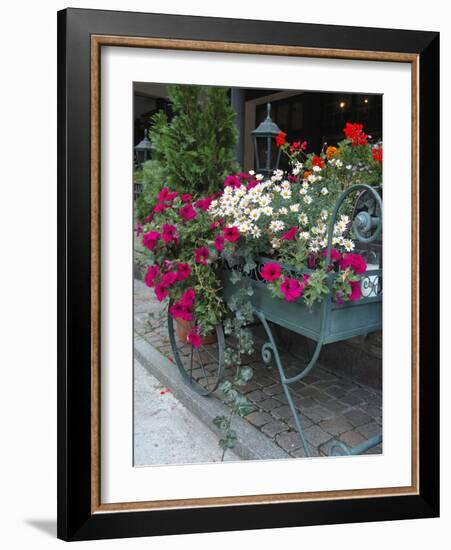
318	161
280	139
270	272
377	154
355	134
201	255
231	234
187	212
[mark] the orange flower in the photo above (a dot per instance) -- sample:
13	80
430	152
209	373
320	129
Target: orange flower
331	151
307	173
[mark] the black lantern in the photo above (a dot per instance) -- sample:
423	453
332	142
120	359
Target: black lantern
267	154
143	150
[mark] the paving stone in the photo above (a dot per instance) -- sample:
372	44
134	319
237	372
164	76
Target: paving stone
373	410
350	399
281	412
316	414
289	441
313	393
316	435
335	405
357	417
303	402
275	427
336	425
256	396
275	389
352	438
377	450
305	422
370	430
300	453
335	391
268	404
258	418
364	395
250	387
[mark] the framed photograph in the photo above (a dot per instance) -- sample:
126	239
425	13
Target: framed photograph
248	274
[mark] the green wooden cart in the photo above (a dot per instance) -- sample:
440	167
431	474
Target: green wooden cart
324	323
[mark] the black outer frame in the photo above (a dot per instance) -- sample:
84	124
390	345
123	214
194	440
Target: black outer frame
75	520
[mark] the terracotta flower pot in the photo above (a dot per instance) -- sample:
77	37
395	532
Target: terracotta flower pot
183	328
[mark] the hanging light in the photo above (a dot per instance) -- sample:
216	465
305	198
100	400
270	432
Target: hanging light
267	154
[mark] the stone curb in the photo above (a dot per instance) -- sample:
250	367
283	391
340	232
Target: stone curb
251	443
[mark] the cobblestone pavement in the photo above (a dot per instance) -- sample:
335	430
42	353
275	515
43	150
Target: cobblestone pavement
332	407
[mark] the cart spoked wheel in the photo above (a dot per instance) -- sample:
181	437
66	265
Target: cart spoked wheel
201	368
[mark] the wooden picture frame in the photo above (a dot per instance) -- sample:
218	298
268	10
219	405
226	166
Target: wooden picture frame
81	35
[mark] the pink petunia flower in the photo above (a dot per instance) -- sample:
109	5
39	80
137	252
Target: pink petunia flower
151	275
186	197
139	229
311	260
355	261
183	272
204	204
290	234
356	291
166	195
161	207
179	311
334	254
291	289
232	181
168	279
188	297
161	292
305	279
339	298
194	339
251	185
187	212
201	255
231	234
150	239
270	272
219	243
169	233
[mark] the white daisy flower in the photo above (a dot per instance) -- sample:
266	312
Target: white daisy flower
324	214
276	243
303	191
322	228
324	191
285	184
338	163
304	235
294	207
316	168
251	172
265	200
244	227
255	232
283	211
348	166
285	193
312	178
349	245
254	215
259	177
276	225
268	210
303	218
308	199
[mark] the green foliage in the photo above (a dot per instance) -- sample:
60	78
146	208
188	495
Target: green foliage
195	150
153	181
